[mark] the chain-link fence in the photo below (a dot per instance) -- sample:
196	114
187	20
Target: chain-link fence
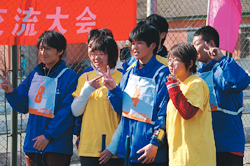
184	18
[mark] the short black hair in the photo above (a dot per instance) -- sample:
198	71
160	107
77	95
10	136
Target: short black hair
145	31
106	32
186	53
107	45
160	22
93	34
53	39
208	33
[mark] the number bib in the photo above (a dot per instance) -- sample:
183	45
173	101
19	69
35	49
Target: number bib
42	94
139	97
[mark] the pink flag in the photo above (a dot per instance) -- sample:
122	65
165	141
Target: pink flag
225	17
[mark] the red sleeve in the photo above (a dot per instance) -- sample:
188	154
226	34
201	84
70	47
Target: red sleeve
186	110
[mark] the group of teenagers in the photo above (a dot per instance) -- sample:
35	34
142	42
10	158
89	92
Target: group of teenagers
174	113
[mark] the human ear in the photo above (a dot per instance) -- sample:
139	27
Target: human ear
60	53
191	64
211	43
152	45
162	35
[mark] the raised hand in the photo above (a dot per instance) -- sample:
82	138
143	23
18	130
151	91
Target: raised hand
95	82
107	79
171	76
213	52
6	85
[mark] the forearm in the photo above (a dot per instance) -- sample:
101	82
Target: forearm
79	103
115	98
17	101
234	78
113	145
186	110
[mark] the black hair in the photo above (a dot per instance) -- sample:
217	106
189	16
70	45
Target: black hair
208	33
107	45
145	31
22	55
186	53
53	39
160	22
93	34
106	32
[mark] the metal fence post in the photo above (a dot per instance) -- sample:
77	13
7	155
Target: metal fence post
229	55
13	157
151	7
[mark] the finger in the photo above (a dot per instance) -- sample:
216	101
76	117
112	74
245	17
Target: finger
142	157
101	158
104	160
104	74
140	151
208	45
34	139
2	77
87	78
101	161
97	78
7	75
145	160
173	71
108	70
35	146
153	159
206	50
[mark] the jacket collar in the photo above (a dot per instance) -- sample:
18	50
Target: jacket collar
53	72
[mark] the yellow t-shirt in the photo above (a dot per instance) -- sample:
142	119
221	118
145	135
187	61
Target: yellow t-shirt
191	142
98	118
162	60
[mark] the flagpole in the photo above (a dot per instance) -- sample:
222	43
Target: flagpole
208	5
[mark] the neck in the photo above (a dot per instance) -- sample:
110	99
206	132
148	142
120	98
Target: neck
207	61
145	60
159	47
184	77
49	66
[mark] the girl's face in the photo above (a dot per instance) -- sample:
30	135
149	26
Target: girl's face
99	59
177	67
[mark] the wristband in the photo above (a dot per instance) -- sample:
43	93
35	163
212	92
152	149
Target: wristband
160	134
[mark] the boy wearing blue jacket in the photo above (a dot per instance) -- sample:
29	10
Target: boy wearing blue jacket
141	99
161	55
226	81
46	95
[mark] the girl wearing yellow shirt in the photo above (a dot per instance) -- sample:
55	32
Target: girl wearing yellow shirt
189	123
91	100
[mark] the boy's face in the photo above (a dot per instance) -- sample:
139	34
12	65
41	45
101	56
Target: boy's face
141	51
49	56
199	45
